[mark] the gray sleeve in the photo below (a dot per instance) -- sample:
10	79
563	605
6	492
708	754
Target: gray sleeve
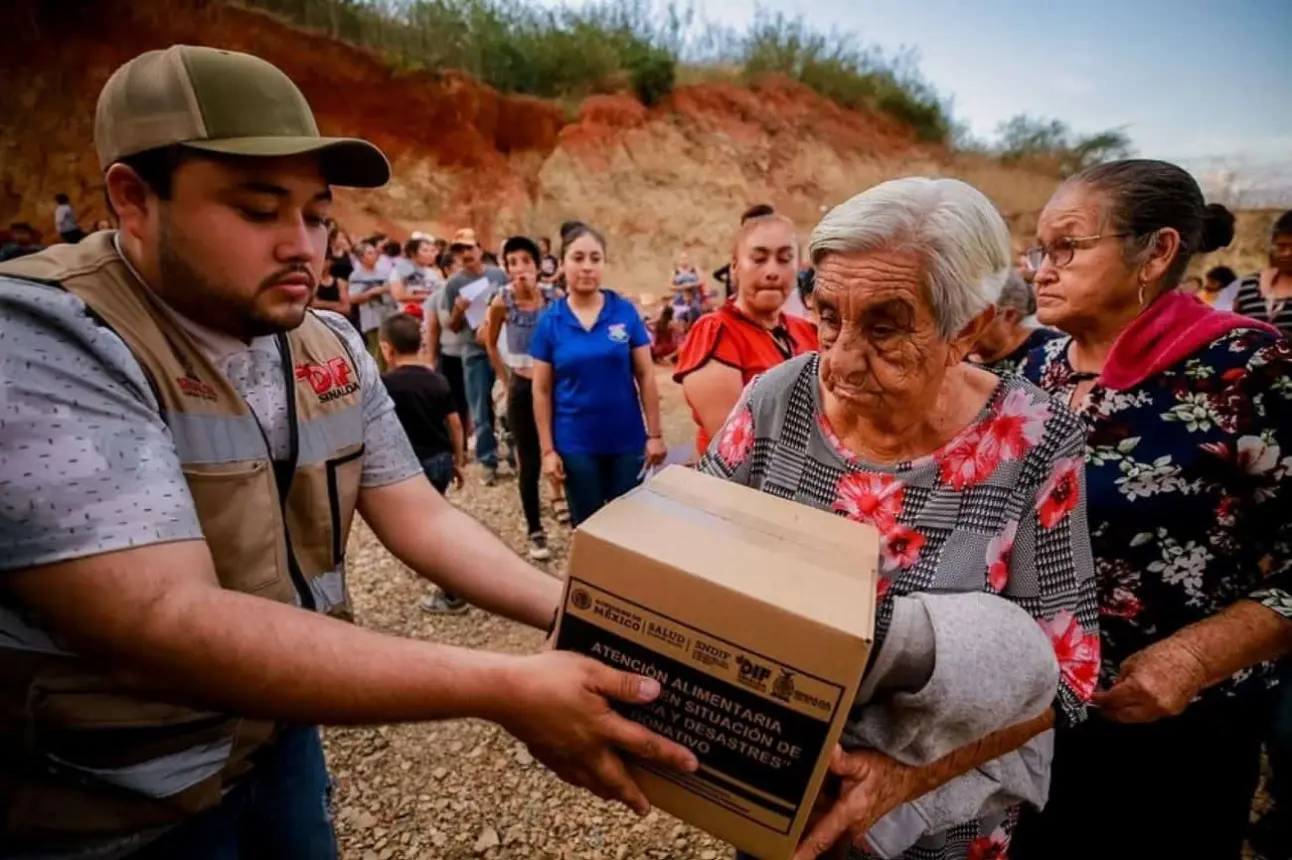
1022	776
87	465
992	667
953	669
452	288
388	455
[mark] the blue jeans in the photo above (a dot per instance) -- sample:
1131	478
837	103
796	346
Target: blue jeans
591	481
281	811
479	379
439	471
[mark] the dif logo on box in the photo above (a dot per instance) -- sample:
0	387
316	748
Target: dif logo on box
753	674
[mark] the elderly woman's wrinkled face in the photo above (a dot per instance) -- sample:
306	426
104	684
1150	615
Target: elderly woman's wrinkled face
764	266
1097	283
880	344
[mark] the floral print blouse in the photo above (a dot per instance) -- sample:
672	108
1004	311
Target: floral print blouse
1189	476
999	508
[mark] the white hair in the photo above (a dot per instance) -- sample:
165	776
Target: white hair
960	238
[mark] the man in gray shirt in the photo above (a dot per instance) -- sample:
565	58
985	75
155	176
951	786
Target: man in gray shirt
151	372
475	360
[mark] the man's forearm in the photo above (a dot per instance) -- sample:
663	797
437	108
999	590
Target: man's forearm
1243	635
933	776
187	640
469	561
457	318
451	549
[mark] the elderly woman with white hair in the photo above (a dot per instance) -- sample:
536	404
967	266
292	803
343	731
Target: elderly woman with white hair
974	483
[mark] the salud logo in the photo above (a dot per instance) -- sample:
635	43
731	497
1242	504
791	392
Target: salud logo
329	381
580	599
618	332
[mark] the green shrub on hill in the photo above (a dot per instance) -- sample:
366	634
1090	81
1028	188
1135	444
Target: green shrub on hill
567	53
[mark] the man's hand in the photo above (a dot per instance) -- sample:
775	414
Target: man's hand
461	303
873	786
1157	682
559	707
458	477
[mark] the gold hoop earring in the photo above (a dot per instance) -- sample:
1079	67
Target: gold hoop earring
1141	295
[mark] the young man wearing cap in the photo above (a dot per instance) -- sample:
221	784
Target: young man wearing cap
181	457
475	359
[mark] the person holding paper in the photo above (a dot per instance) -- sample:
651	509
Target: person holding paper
973	482
467	295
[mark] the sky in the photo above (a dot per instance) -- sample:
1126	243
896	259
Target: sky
1207	82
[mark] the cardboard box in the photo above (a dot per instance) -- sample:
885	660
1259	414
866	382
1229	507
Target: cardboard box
756	614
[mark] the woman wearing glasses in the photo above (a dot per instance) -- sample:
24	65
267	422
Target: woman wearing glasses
1188	412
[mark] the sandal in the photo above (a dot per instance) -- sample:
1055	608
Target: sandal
562	510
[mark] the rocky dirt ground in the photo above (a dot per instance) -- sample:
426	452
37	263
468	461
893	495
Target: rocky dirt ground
466	789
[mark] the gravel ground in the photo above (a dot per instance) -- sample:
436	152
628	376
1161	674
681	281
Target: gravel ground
466	789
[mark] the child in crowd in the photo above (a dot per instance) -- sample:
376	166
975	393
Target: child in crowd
425	407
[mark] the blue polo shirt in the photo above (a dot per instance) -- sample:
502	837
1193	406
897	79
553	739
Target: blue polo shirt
595	408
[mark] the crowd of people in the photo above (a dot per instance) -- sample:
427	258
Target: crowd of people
1076	463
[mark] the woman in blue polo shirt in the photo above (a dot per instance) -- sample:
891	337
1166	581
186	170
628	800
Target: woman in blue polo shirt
593	380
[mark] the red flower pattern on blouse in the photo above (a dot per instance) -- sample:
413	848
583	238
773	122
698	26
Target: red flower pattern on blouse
1015	426
998	550
991	847
867	497
966	461
1060	494
1077	652
1018	425
737	438
901	547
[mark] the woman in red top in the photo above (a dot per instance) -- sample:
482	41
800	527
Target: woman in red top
749	334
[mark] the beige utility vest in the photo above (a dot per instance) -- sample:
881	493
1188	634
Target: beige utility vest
78	753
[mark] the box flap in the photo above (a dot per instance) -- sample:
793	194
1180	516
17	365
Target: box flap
808	562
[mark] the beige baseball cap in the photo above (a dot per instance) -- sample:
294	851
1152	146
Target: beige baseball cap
464	238
224	102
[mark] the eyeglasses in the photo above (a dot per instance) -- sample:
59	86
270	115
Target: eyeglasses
1061	250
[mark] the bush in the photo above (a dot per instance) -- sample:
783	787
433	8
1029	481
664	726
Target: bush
567	53
653	74
511	45
1053	144
839	68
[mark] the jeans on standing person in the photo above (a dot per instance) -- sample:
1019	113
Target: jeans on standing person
480	379
520	415
439	471
592	481
280	811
